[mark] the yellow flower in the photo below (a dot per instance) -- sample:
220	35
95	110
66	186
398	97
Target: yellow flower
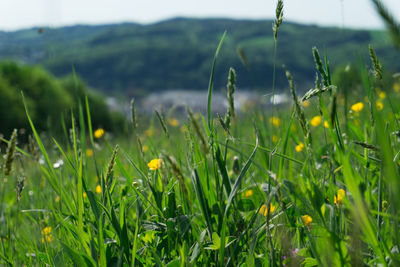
382	95
315	121
155	164
46	230
248	193
149	132
99	133
173	122
379	105
275	121
98	189
357	107
338	198
307	220
145	148
274	138
396	87
306	103
89	152
300	147
84	195
47	236
326	124
264	210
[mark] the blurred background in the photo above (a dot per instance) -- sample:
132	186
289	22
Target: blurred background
160	52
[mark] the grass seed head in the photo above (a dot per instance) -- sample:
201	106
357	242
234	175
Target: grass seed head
375	63
197	130
320	68
18	189
230	91
278	18
133	115
163	123
236	165
12	144
299	110
111	164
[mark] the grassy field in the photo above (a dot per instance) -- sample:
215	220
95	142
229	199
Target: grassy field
314	183
278	187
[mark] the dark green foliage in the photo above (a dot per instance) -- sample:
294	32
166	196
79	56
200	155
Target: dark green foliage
48	99
177	53
45	96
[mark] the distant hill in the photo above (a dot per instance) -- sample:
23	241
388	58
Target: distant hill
176	54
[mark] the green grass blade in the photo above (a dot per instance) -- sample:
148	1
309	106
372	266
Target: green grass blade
211	84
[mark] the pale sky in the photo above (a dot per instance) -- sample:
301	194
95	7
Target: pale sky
17	14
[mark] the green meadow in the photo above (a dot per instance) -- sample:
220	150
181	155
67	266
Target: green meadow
311	183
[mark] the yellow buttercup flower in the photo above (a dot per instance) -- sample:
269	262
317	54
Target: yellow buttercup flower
248	193
274	138
145	148
307	220
300	147
264	210
89	152
396	87
357	107
173	122
99	133
84	195
275	121
155	164
379	105
305	103
149	132
338	198
47	236
46	230
382	95
315	121
98	189
326	124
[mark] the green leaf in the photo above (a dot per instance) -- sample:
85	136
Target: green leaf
245	205
211	84
309	262
173	263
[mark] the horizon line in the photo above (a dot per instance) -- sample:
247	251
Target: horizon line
94	24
